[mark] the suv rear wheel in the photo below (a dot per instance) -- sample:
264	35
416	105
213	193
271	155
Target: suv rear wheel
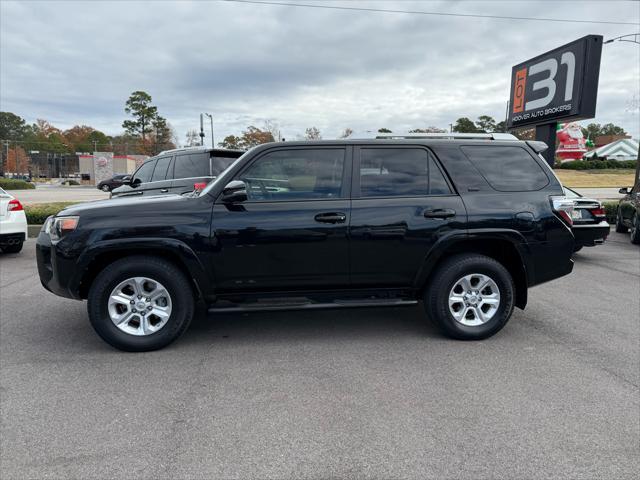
620	227
635	229
470	297
140	303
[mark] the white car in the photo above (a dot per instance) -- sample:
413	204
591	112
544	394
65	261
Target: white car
13	223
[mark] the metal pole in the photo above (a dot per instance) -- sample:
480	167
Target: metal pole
211	121
201	131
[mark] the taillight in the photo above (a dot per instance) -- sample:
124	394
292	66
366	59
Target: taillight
563	207
597	212
14	206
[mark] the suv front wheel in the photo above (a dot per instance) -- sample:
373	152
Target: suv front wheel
470	297
140	303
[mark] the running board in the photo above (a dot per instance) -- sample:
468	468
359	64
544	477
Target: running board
265	307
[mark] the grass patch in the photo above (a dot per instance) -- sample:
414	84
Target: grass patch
600	178
38	213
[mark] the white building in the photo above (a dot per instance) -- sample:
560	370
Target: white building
623	149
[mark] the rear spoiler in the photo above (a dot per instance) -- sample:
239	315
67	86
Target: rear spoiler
538	147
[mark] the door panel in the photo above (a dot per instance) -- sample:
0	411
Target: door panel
292	232
390	237
280	245
403	204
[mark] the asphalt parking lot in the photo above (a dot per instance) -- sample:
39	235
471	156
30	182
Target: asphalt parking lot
372	393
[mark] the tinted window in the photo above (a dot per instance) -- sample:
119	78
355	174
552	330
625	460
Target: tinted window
143	174
399	172
437	183
296	175
160	173
507	169
191	165
220	164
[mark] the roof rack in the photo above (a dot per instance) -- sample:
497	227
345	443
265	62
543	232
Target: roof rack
450	136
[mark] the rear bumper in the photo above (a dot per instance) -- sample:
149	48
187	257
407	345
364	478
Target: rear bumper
591	235
12	238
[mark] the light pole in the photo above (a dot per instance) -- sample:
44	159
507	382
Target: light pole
631	38
211	120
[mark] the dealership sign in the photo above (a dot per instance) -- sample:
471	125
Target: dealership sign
560	84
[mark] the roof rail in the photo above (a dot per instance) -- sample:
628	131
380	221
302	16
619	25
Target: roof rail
450	136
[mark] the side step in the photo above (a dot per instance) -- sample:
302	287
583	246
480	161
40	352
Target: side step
308	305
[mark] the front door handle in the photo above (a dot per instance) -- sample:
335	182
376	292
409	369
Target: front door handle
330	217
440	213
164	190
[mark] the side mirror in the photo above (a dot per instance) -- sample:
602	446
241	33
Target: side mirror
126	180
624	190
235	192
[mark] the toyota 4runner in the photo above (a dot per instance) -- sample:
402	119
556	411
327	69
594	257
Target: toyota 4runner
464	224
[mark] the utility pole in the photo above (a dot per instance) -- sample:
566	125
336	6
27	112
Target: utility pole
201	131
211	120
95	145
631	38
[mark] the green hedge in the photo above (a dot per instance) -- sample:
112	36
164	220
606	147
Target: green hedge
37	214
15	184
611	209
596	164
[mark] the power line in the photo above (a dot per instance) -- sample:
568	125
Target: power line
419	12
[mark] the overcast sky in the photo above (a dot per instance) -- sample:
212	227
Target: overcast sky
76	62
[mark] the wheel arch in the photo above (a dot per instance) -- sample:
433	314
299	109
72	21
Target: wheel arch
506	247
102	254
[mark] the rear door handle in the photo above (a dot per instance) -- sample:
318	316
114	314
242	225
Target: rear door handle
440	213
164	190
330	217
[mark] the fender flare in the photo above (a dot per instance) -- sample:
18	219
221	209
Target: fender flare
143	245
446	242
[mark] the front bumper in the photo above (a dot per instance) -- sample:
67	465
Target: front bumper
590	235
55	268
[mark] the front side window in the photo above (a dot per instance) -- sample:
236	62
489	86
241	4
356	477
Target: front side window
400	172
143	174
302	174
191	165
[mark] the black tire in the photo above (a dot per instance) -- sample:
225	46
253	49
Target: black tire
170	276
436	298
635	230
620	227
105	188
577	248
14	248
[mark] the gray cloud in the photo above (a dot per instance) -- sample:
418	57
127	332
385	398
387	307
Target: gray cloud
77	62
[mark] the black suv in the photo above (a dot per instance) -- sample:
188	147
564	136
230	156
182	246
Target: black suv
177	171
465	226
628	213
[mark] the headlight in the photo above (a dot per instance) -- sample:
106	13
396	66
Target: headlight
58	227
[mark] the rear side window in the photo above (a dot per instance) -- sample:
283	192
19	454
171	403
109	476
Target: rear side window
143	174
160	173
400	172
192	165
507	169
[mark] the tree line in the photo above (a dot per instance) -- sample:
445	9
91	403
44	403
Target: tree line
145	133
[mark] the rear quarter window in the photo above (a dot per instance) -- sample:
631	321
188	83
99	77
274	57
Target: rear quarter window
507	169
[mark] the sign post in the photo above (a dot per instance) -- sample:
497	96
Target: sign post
561	84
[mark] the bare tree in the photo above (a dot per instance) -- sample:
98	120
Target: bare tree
312	133
192	139
346	133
